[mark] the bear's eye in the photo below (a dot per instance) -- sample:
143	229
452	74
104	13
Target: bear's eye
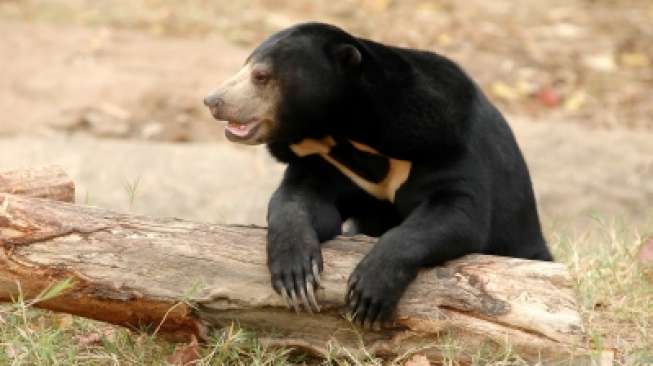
260	77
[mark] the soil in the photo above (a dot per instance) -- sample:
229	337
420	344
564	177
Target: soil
109	83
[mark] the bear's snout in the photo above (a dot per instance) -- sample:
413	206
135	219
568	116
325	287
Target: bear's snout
213	100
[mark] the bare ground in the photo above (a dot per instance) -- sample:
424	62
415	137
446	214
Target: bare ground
587	61
109	83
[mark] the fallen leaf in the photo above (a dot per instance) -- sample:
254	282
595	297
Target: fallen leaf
568	30
575	101
65	321
185	355
428	8
88	339
600	62
95	337
634	59
376	5
504	91
444	40
548	97
418	360
525	87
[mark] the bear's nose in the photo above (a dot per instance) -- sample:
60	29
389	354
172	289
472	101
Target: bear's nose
213	100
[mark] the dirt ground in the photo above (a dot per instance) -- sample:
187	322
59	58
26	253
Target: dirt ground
108	83
574	79
587	61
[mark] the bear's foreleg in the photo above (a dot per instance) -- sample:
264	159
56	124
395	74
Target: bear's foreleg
301	215
438	230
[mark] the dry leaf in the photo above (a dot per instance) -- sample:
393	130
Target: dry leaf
64	321
504	91
525	87
548	97
444	40
186	355
600	62
88	339
568	30
428	7
376	5
94	338
418	360
634	59
575	101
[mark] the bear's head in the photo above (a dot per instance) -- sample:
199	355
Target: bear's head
294	85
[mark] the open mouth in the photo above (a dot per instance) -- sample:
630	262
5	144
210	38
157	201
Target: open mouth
242	131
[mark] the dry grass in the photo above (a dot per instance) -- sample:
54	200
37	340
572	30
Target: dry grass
616	298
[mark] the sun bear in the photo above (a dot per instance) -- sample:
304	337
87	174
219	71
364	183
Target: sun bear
399	142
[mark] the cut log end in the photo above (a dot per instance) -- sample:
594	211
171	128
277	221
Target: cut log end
46	182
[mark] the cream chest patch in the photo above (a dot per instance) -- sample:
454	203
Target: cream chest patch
378	175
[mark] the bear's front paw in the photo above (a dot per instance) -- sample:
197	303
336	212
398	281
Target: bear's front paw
295	271
374	289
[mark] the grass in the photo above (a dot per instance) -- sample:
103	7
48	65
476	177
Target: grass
35	337
131	188
615	298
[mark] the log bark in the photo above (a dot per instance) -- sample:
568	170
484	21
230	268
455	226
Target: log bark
185	278
45	182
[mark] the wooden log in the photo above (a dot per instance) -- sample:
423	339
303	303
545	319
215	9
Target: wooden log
46	182
183	278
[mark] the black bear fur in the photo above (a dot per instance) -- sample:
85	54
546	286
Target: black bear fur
468	190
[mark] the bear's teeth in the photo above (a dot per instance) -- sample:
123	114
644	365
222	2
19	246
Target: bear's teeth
239	129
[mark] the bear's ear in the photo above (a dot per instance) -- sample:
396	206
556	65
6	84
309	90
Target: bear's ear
347	55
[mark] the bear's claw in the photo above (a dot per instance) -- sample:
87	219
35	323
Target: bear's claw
298	287
374	289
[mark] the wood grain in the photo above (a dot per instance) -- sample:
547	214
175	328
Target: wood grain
44	182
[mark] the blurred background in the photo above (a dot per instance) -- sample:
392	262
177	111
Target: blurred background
112	91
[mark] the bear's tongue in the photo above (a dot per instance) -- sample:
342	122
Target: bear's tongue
239	129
